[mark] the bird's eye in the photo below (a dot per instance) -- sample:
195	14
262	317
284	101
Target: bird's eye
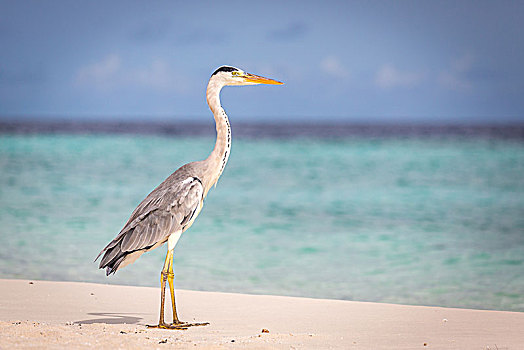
236	73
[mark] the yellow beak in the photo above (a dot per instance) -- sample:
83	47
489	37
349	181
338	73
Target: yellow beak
260	80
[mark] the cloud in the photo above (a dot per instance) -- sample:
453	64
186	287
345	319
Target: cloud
199	36
152	31
158	75
110	73
452	81
332	66
390	77
100	74
290	32
162	30
456	77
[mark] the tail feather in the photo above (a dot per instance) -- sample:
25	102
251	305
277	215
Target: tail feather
110	255
111	269
114	258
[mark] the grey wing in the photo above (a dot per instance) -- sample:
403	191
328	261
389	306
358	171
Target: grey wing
169	208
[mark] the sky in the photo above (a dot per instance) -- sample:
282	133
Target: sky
357	61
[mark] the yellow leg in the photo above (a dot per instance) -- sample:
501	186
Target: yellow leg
163	276
167	274
170	278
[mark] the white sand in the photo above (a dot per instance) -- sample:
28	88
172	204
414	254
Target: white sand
82	315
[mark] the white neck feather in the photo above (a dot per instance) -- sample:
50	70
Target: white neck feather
218	158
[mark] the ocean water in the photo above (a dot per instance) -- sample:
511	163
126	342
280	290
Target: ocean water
415	218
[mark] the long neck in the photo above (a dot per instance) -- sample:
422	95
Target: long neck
217	160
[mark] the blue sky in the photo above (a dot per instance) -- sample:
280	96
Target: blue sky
439	61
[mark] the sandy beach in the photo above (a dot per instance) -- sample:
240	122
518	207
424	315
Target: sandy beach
42	314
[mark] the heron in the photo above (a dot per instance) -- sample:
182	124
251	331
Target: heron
172	207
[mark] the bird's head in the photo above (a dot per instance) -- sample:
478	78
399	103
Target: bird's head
233	76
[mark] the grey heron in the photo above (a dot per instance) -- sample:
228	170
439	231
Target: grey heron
171	208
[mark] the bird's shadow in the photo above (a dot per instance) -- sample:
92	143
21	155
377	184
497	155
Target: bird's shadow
111	318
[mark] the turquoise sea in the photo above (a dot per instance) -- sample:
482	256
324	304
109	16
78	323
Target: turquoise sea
419	217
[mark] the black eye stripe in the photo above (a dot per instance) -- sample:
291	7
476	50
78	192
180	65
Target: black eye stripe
225	69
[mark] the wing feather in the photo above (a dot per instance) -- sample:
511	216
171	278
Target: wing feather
131	240
142	241
169	208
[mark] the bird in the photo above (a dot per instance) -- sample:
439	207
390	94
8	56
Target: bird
172	207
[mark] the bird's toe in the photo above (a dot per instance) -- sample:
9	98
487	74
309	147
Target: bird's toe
167	326
180	325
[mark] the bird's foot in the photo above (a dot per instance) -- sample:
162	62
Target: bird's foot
180	325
